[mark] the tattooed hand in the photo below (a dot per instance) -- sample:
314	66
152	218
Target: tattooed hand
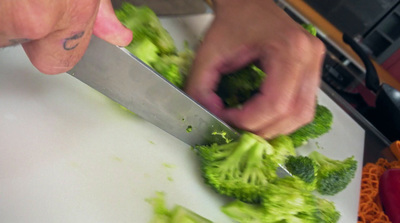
55	34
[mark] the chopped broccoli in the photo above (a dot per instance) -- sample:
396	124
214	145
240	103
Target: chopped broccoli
237	87
283	148
244	212
305	168
145	50
178	214
242	168
284	200
320	125
333	175
145	24
153	44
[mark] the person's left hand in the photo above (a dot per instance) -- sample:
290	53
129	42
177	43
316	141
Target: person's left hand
56	33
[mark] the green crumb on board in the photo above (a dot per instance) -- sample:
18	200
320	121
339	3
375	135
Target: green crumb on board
167	165
189	128
116	158
162	214
151	142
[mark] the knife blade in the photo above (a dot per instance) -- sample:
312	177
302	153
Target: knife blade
124	78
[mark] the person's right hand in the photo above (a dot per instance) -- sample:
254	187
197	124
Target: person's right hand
56	33
258	31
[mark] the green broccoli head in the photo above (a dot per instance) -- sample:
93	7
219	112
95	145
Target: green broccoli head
145	50
237	87
244	212
176	67
178	214
239	169
326	211
320	125
333	175
284	200
287	196
305	168
283	148
144	23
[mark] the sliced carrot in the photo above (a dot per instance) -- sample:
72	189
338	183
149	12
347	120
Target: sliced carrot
395	148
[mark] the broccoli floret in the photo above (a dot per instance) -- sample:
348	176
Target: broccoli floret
153	45
244	212
178	214
305	168
145	50
237	87
144	23
284	200
175	68
286	197
333	175
241	168
283	148
320	125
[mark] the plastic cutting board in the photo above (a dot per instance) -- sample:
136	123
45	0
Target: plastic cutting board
69	154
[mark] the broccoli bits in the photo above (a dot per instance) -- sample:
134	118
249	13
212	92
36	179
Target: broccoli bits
178	214
153	44
241	169
333	175
320	125
305	168
320	173
284	200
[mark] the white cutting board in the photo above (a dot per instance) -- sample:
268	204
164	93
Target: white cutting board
69	154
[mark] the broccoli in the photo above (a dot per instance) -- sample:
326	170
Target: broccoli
145	24
242	168
237	87
284	200
153	44
305	168
320	125
333	175
178	214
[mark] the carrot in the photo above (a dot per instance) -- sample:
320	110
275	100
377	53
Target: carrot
395	148
370	208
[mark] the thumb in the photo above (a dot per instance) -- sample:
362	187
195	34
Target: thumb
109	28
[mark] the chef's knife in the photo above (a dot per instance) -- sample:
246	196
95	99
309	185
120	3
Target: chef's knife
168	8
119	75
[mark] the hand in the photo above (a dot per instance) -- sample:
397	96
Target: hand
258	31
55	34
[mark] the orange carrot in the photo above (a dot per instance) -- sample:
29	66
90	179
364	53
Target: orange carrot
395	148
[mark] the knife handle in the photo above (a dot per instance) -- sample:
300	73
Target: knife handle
209	3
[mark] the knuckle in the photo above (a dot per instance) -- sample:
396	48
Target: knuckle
36	26
281	107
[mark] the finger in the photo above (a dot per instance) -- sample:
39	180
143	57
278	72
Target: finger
276	96
22	21
301	114
213	60
59	51
109	28
304	108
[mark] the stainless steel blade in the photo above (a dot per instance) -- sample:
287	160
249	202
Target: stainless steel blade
119	75
168	8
